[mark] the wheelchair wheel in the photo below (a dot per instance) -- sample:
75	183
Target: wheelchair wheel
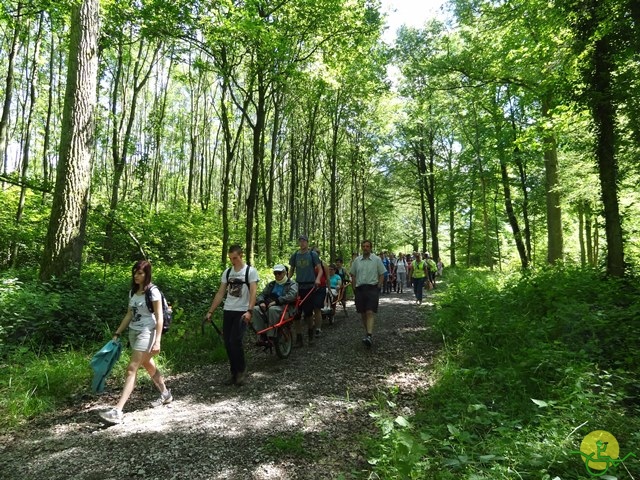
329	318
284	341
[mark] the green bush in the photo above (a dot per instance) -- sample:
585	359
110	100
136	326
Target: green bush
531	364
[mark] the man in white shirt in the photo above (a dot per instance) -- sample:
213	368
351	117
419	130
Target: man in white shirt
367	276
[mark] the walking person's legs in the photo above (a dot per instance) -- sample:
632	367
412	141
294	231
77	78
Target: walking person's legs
233	328
418	286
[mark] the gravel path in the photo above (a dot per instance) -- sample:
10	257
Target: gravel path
299	418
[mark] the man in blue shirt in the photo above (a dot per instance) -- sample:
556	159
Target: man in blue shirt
305	265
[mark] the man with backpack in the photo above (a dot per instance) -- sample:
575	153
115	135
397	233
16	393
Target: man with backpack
306	266
239	283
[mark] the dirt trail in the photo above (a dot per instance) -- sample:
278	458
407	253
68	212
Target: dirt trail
298	418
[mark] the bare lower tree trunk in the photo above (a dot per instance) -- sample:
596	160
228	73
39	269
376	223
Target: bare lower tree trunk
604	113
581	225
8	87
46	165
65	236
552	191
33	96
588	222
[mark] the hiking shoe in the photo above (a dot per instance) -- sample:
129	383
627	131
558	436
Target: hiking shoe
367	341
163	399
241	378
112	416
318	332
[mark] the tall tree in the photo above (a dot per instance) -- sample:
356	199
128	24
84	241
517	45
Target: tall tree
602	29
65	235
9	82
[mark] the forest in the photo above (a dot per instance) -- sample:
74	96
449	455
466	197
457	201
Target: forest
502	136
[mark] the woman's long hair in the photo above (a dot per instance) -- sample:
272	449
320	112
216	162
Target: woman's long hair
145	266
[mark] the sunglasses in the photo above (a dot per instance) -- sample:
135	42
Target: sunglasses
278	273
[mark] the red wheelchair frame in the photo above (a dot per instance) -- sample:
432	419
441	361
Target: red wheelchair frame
282	341
329	313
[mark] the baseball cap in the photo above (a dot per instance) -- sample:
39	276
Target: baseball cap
303	237
279	268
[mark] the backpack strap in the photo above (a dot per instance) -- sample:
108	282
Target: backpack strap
147	297
246	274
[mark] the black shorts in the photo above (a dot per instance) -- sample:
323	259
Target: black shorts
367	298
315	300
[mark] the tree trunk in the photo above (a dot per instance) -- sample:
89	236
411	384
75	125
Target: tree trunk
431	197
604	113
421	168
120	154
471	214
65	236
588	233
552	194
33	96
581	228
46	165
8	88
513	221
158	128
451	204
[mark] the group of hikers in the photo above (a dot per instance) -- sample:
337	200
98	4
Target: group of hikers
417	271
309	284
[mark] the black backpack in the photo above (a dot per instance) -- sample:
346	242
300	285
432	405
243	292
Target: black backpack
246	275
167	313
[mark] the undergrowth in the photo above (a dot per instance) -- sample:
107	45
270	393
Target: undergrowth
530	365
49	332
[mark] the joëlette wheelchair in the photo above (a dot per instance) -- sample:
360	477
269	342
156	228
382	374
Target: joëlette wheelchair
331	303
282	340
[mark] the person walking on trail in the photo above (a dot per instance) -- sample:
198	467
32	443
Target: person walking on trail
239	283
321	289
272	300
401	273
440	267
305	265
418	276
367	276
145	333
431	268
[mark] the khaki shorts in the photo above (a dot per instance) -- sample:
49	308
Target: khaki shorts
142	340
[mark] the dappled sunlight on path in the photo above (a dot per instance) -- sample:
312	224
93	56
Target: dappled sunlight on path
294	419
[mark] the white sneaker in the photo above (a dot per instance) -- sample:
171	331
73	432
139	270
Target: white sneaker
112	416
162	399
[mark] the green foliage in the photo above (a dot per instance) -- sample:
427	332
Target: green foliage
531	364
172	235
289	445
32	383
28	235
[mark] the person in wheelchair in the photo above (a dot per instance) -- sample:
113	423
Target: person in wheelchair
335	284
346	279
271	301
